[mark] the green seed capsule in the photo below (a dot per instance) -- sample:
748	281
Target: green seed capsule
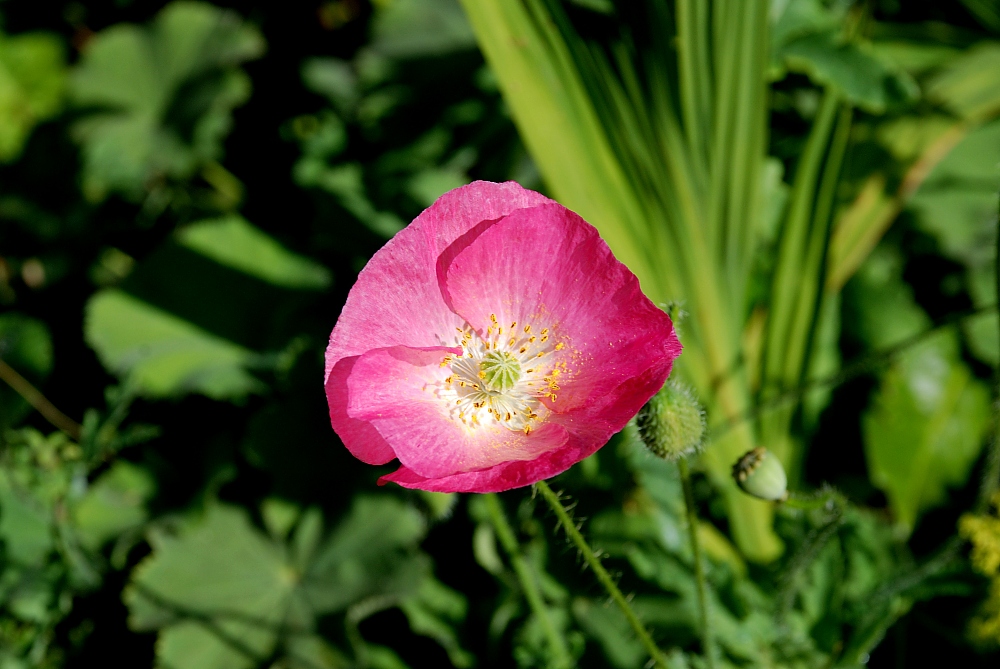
672	423
759	473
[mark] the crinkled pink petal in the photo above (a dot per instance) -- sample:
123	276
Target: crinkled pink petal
548	267
397	300
397	389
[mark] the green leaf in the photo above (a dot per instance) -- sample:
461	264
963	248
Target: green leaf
428	185
925	426
32	83
165	93
969	86
371	552
234	242
25	345
608	626
433	611
26	523
218	589
853	69
162	354
346	182
334	79
113	504
224	595
421	28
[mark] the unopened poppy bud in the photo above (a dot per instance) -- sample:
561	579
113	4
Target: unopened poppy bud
672	422
759	473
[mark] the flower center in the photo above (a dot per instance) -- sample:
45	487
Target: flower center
502	376
500	371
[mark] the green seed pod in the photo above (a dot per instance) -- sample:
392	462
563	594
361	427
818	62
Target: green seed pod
672	423
759	473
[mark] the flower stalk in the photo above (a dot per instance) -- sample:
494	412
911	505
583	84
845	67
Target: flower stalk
707	645
561	658
593	561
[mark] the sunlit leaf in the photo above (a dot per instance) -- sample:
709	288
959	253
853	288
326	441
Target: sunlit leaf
233	242
162	354
32	83
113	504
925	426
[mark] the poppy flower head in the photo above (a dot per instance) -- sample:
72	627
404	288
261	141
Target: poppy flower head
494	342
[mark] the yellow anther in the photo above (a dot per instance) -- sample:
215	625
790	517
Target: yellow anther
560	346
527	329
493	317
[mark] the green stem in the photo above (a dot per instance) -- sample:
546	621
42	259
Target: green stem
707	647
561	658
590	557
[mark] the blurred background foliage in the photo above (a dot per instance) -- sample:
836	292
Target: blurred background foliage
188	190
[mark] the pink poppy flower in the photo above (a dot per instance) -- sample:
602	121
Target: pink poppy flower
494	342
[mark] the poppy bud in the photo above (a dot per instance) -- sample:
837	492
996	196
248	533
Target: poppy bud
672	422
759	473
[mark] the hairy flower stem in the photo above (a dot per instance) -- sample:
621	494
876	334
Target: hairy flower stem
590	557
707	647
561	658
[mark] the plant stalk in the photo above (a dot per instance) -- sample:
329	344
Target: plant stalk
561	658
590	557
707	646
39	402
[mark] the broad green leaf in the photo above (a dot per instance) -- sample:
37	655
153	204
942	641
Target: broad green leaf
420	28
925	425
162	96
852	69
219	569
25	345
162	354
233	242
370	552
32	83
925	428
113	504
224	595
